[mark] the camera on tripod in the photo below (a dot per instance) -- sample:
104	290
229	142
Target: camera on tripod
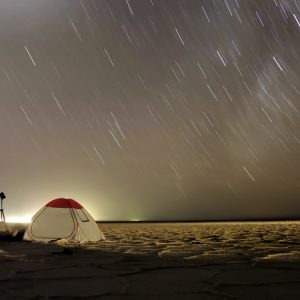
2	216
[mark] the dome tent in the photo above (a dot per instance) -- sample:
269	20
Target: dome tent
63	219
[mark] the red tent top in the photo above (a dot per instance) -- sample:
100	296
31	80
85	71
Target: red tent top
64	203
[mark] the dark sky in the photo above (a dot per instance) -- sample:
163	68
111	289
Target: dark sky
151	109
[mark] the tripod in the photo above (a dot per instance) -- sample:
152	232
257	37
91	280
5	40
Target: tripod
2	215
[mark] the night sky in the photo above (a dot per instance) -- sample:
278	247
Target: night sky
170	109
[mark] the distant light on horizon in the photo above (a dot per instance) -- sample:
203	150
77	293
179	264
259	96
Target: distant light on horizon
18	219
135	220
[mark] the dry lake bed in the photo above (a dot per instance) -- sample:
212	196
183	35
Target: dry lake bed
238	260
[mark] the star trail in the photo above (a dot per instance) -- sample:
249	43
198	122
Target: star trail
151	109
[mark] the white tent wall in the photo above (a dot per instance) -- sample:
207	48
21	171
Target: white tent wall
53	223
88	229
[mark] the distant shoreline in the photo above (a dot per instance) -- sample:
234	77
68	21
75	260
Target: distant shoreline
206	221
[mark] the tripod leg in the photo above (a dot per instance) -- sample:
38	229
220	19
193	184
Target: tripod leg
2	219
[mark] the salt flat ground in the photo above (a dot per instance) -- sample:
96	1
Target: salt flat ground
258	260
239	241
